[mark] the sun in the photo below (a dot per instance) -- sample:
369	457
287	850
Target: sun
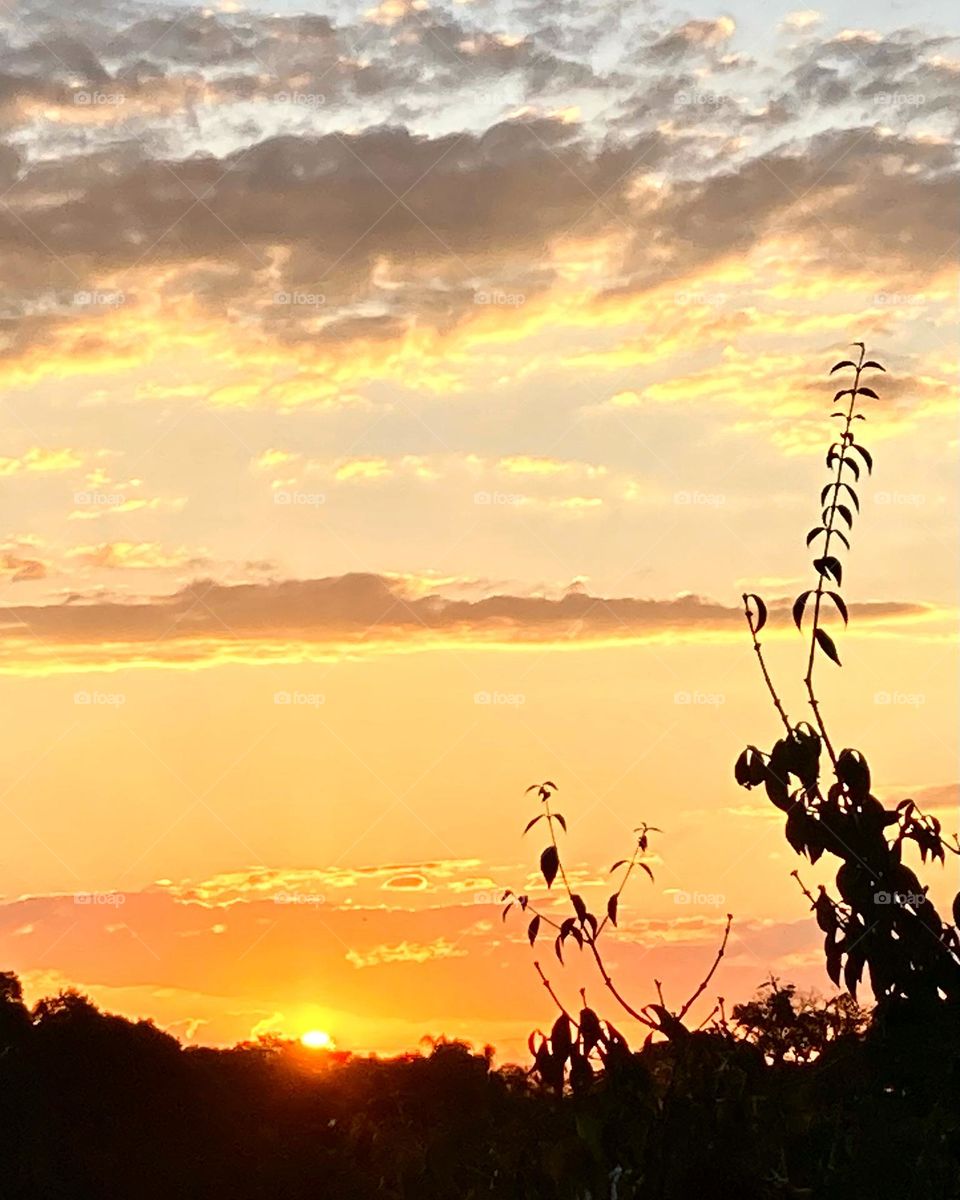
317	1039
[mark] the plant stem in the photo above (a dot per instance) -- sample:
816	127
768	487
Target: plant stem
763	669
818	597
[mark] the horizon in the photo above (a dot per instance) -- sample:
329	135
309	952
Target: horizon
398	401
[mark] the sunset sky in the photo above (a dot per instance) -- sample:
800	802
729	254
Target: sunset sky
394	403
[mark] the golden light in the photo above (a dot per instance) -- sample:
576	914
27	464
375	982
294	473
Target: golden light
317	1039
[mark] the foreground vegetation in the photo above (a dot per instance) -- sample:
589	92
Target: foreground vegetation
787	1099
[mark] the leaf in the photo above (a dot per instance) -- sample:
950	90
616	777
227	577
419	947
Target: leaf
619	863
865	455
846	514
761	610
612	908
956	910
550	864
558	817
846	363
852	494
854	467
852	971
829	567
590	1029
871	363
579	907
866	391
799	605
825	642
841	606
558	948
854	770
644	867
533	929
842	536
815	533
530	824
560	1039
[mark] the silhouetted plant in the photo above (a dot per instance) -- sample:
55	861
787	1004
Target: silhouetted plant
883	920
576	1046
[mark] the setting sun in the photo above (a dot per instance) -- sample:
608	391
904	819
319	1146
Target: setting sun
317	1039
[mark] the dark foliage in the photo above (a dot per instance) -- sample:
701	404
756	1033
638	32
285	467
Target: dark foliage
94	1106
883	922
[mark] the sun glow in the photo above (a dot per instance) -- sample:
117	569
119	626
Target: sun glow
317	1039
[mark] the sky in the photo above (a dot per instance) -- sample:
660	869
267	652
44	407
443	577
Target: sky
395	402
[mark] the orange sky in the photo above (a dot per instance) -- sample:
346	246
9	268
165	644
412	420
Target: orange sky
395	404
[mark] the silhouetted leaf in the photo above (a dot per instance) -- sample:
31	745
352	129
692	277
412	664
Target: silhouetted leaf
871	363
829	567
956	910
825	642
558	817
846	363
612	908
644	867
852	971
530	824
533	929
838	533
761	610
854	467
618	863
815	533
841	606
852	494
590	1031
867	391
549	864
578	905
846	514
798	606
558	948
854	770
865	455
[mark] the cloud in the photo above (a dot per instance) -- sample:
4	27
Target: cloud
319	619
